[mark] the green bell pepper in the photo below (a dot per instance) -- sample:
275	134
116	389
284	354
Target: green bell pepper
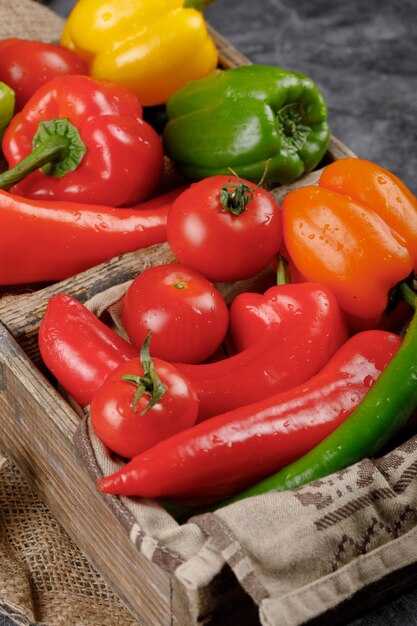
241	118
7	102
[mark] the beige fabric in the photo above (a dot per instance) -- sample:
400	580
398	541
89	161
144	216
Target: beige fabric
298	554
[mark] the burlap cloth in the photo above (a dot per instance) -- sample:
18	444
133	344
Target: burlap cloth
300	554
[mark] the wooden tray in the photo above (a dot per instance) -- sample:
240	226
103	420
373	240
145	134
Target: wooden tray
37	427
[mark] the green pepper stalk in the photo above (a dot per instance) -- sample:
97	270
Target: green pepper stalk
57	149
7	104
382	413
198	4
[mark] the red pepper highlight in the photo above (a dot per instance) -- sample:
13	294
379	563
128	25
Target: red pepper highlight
305	330
78	349
48	241
27	65
227	453
102	150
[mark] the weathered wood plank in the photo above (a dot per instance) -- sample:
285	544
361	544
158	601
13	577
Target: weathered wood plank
36	430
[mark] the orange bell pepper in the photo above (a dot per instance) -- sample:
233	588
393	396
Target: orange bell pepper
355	233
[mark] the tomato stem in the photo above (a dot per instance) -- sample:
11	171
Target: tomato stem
148	383
235	197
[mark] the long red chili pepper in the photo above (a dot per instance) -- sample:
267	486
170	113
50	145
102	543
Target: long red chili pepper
78	349
48	241
227	453
305	328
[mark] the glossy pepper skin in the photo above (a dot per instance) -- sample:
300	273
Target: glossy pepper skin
78	349
49	241
251	313
383	412
119	160
218	457
27	65
308	328
356	233
255	113
152	47
7	105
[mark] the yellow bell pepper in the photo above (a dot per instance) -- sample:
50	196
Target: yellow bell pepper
152	47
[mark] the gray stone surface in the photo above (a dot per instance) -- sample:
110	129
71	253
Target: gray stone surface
363	55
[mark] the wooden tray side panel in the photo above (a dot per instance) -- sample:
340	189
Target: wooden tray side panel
36	430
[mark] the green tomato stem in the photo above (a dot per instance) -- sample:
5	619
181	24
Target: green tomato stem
149	383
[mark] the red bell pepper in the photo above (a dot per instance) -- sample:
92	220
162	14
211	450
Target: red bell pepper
27	65
78	349
306	330
89	139
251	313
227	453
48	241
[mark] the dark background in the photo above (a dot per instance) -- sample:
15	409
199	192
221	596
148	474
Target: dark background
363	56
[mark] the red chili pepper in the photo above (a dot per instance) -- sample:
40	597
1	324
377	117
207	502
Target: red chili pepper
48	241
306	330
226	453
27	65
78	349
89	139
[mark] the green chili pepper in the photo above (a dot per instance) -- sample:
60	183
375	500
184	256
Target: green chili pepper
242	117
7	102
384	410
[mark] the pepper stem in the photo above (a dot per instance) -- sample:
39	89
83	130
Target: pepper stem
283	276
197	4
57	148
149	383
409	295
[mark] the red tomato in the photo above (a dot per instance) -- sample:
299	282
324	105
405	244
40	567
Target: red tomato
27	65
185	313
129	431
223	245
